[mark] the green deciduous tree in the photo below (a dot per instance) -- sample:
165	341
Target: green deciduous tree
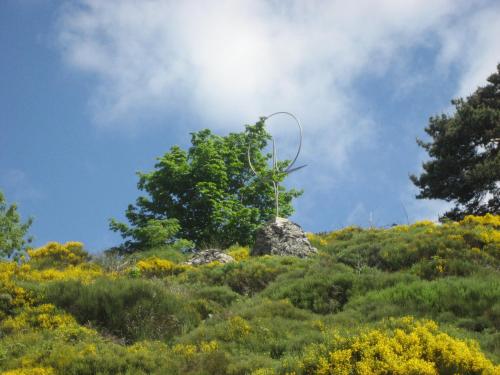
210	189
149	234
465	163
12	231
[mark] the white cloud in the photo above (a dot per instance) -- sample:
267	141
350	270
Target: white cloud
229	62
471	45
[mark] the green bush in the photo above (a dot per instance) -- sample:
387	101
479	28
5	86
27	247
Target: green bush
433	250
258	332
315	292
132	309
246	277
327	290
222	295
81	351
455	298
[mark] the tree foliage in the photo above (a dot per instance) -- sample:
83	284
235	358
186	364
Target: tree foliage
210	189
12	231
151	233
465	163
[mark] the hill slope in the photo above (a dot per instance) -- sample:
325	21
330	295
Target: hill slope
421	299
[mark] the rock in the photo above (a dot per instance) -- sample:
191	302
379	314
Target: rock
209	256
282	237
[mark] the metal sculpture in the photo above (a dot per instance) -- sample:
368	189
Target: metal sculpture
275	168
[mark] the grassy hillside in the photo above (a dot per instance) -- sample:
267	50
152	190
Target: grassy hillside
420	299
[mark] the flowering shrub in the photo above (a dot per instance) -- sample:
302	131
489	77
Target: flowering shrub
156	267
268	371
434	250
39	317
188	350
326	238
239	252
238	328
424	223
30	371
84	272
70	253
11	295
406	347
488	219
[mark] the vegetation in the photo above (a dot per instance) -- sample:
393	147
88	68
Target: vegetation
208	195
148	234
421	299
465	161
13	232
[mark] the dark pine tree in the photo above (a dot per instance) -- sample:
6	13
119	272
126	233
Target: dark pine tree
464	165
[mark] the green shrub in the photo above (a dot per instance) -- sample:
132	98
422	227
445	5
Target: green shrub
435	250
133	309
258	332
473	298
173	252
246	277
317	292
322	290
438	267
81	351
116	261
222	295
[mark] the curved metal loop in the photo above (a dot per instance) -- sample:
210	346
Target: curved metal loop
289	167
300	135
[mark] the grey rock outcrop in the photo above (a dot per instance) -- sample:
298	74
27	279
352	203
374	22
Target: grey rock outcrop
282	237
209	256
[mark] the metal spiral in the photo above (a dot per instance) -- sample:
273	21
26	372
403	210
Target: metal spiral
289	168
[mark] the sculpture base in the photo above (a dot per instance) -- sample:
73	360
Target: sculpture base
282	237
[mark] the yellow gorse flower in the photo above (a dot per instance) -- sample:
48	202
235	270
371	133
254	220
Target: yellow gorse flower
30	371
39	317
418	347
238	328
488	219
239	252
68	253
83	272
157	267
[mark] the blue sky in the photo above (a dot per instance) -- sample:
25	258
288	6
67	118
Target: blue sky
93	91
